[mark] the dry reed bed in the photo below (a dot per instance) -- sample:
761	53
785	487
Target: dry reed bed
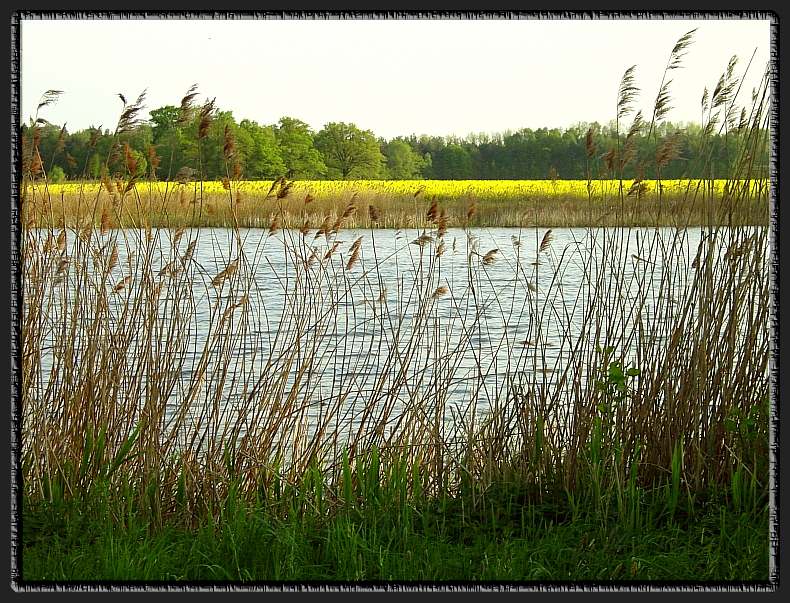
118	308
122	324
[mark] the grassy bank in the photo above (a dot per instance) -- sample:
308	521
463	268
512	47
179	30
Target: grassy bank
504	536
642	454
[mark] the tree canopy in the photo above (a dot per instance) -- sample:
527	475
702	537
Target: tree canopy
214	144
296	141
350	153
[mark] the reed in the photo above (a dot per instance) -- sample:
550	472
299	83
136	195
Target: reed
132	389
499	203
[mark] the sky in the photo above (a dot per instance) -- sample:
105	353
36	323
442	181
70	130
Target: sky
394	77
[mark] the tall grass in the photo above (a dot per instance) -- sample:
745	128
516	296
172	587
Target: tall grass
402	204
133	392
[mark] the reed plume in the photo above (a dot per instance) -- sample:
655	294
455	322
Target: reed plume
285	189
177	235
433	210
545	242
275	224
422	240
669	150
130	116
332	250
186	108
589	143
355	252
121	285
627	93
224	274
104	223
490	257
440	291
324	228
275	185
442	224
190	250
205	117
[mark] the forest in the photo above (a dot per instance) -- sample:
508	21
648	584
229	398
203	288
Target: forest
168	141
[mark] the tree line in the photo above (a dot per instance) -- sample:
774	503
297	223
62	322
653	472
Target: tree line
211	142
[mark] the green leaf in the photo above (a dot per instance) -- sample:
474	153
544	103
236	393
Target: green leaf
616	372
181	489
86	452
347	483
123	453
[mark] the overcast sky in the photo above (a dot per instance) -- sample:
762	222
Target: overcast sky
394	77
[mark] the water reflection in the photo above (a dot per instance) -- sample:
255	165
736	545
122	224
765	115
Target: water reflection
379	328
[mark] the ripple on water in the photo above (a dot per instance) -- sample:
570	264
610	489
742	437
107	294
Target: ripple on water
361	342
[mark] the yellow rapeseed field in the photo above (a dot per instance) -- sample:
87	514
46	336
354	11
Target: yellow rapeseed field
396	203
445	189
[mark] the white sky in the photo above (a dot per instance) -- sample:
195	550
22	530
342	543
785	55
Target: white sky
395	77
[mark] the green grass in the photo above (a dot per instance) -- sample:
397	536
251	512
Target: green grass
502	538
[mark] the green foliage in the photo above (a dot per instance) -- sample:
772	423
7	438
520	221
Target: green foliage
93	169
676	466
348	486
213	160
452	162
403	162
263	158
748	428
350	153
613	387
56	174
295	141
452	540
175	146
344	151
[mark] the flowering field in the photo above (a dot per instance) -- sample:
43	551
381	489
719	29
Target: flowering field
398	203
443	189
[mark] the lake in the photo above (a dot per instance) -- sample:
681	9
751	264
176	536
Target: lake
456	333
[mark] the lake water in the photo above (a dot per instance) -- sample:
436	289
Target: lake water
402	326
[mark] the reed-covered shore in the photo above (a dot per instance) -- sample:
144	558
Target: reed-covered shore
646	458
398	203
